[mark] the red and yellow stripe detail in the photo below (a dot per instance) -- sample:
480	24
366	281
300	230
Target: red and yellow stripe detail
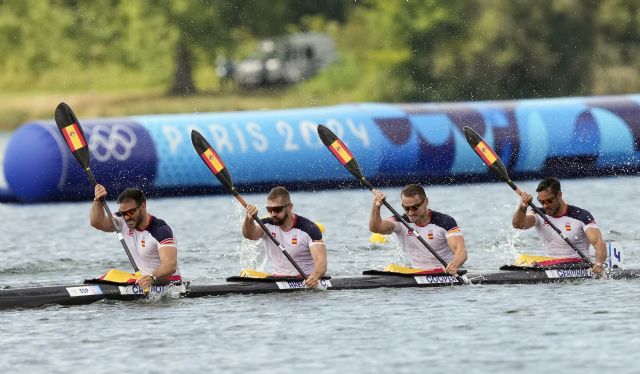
74	137
212	160
341	152
486	153
454	230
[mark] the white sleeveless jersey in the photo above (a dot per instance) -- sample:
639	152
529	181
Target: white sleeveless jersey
296	241
436	232
573	223
144	245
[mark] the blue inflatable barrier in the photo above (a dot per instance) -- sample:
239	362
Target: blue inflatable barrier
394	144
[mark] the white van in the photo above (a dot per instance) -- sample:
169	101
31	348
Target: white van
285	60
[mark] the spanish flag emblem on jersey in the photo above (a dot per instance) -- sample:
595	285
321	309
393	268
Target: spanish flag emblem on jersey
294	240
212	160
74	137
567	226
341	152
430	235
486	153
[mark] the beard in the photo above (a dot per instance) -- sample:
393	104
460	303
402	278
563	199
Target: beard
414	218
552	211
279	221
133	223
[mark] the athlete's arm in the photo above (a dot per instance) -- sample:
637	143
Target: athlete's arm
319	253
595	238
168	265
168	261
97	216
456	243
250	229
376	223
522	220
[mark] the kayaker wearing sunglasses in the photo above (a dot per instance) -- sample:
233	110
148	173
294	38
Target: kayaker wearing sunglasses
150	240
301	237
439	230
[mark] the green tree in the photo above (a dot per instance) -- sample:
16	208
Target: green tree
617	54
28	33
465	50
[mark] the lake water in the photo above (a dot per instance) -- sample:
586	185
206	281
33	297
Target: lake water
587	326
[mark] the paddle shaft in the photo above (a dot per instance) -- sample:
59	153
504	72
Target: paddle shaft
366	183
346	158
216	166
546	219
113	221
266	230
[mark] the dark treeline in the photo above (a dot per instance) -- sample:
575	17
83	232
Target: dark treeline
429	50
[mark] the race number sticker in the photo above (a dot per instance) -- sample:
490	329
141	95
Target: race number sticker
84	291
287	285
435	279
324	283
137	290
569	273
614	258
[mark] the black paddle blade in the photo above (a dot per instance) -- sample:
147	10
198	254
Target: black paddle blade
486	153
211	159
72	133
340	151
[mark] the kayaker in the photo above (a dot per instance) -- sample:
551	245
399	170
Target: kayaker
300	237
576	223
150	240
438	229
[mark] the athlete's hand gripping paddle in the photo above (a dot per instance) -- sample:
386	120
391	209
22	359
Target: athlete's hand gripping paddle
491	159
217	167
346	158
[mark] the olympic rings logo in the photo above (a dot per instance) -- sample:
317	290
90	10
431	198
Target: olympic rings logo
115	141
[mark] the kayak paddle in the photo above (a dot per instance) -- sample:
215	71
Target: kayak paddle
217	167
346	158
491	159
73	135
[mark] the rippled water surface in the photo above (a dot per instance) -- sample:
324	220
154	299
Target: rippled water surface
587	326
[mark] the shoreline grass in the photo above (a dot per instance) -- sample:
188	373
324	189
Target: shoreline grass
19	108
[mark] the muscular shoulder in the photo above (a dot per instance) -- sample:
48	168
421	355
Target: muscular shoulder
580	214
309	227
443	220
161	231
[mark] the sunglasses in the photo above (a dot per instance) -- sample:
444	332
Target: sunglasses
276	209
413	208
130	212
548	201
